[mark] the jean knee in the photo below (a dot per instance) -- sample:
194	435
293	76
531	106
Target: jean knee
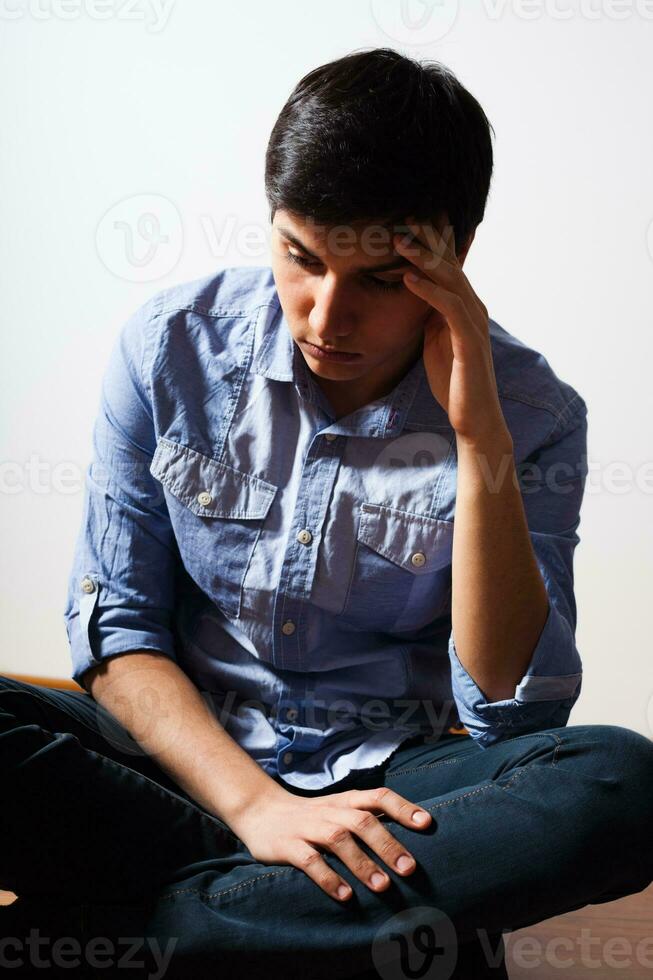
630	746
627	755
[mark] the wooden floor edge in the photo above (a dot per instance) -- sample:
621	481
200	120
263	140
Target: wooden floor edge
60	683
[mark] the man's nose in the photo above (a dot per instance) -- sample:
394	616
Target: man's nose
332	314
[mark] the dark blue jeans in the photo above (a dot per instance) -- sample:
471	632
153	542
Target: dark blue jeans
114	862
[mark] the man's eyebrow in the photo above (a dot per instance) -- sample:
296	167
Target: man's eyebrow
399	262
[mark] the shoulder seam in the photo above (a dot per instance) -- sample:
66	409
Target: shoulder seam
560	415
565	415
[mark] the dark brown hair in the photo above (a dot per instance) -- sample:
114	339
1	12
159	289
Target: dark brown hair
378	135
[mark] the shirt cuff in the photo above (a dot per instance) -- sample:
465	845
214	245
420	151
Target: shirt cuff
98	628
543	698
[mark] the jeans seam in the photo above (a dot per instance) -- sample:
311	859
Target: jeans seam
427	765
480	789
552	735
224	891
548	734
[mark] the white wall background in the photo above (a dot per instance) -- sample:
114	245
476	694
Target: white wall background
106	104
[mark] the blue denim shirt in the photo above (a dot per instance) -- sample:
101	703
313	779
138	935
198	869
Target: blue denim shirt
298	567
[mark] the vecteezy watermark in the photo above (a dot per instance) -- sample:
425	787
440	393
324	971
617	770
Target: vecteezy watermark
414	450
153	722
66	477
153	13
375	714
99	953
252	240
414	21
40	476
422	941
566	9
418	22
152	719
591	952
417	942
140	238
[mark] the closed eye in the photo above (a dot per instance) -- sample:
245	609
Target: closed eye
381	284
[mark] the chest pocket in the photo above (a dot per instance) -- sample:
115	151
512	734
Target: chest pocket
217	513
401	574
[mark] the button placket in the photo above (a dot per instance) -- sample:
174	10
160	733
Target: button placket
319	471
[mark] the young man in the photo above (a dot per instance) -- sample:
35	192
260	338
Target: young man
298	572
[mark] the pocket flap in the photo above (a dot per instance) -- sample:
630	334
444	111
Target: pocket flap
417	543
208	487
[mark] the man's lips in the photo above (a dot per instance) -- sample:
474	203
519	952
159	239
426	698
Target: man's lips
325	352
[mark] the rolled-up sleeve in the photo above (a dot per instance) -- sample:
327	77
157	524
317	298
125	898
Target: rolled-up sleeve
552	482
121	585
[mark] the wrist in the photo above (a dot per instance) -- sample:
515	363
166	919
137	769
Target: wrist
259	794
496	439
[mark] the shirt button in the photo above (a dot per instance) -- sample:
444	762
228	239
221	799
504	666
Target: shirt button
288	628
287	758
88	585
330	436
291	714
305	536
204	498
418	558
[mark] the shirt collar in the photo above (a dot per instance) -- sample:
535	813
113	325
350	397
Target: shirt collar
277	357
274	347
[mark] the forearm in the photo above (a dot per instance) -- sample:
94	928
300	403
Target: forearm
163	711
499	600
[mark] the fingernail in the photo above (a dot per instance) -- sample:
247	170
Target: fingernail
404	862
343	891
377	879
420	816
